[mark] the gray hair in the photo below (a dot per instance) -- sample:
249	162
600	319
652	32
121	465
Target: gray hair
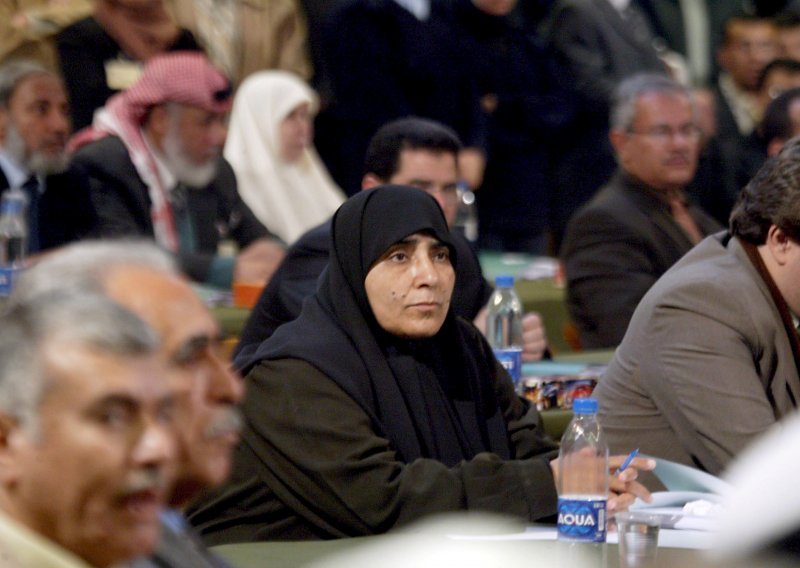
63	318
623	107
83	266
15	71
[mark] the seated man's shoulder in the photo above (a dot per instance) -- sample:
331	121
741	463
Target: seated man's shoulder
316	239
106	153
600	221
709	278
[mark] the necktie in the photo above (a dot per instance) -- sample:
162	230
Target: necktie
31	189
183	221
682	217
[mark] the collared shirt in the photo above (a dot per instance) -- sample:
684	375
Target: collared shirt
14	172
20	547
420	9
744	106
620	5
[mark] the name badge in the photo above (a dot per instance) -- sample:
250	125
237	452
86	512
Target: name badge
122	74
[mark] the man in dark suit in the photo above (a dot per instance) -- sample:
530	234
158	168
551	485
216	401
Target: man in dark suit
693	29
639	224
749	44
34	127
599	45
154	165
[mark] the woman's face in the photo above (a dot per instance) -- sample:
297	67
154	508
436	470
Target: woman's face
410	286
295	133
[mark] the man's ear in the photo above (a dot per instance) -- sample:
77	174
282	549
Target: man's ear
370	181
4	118
618	137
778	244
10	436
774	146
157	124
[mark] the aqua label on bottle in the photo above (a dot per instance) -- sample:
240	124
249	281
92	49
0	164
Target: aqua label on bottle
7	277
511	360
582	520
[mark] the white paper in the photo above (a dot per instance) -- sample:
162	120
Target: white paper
679	477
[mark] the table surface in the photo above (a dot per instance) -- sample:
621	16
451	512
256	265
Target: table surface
293	554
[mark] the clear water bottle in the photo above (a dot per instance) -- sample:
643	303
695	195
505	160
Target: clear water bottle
583	477
504	326
13	238
467	214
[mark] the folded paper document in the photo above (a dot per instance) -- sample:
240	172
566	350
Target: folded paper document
692	500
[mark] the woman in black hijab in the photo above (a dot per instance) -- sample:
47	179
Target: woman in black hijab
377	406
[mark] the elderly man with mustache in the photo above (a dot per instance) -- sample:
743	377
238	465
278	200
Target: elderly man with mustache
86	435
143	279
639	224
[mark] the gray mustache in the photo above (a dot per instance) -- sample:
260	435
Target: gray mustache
150	479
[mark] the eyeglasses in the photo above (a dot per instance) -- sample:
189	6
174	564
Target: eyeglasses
665	133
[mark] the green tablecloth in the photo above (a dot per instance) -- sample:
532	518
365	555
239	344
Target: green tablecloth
231	320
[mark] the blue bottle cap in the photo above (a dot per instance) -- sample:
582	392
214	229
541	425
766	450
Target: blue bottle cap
504	281
584	406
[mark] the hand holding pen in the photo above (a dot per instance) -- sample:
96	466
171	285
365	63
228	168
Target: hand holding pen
622	484
627	462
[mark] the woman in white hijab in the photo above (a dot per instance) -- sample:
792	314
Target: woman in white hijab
269	145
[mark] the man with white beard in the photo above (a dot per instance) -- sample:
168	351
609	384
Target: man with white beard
34	127
153	159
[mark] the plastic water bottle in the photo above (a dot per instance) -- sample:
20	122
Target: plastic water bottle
504	326
13	238
467	214
583	477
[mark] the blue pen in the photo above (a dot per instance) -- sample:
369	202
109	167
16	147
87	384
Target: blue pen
627	462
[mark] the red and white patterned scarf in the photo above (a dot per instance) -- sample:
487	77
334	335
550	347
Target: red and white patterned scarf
182	77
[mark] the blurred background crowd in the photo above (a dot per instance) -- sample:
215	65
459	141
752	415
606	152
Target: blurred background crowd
526	85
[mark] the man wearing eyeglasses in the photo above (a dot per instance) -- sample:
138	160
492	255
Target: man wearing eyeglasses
640	223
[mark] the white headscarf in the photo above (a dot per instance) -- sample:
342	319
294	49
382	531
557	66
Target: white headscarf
289	198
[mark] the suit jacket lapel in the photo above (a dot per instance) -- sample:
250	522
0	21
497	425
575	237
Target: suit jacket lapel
618	23
659	214
3	181
787	346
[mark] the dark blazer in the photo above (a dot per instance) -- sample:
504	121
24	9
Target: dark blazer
66	212
615	248
123	204
179	546
597	49
84	48
666	20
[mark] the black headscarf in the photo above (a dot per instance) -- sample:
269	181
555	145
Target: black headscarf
432	397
